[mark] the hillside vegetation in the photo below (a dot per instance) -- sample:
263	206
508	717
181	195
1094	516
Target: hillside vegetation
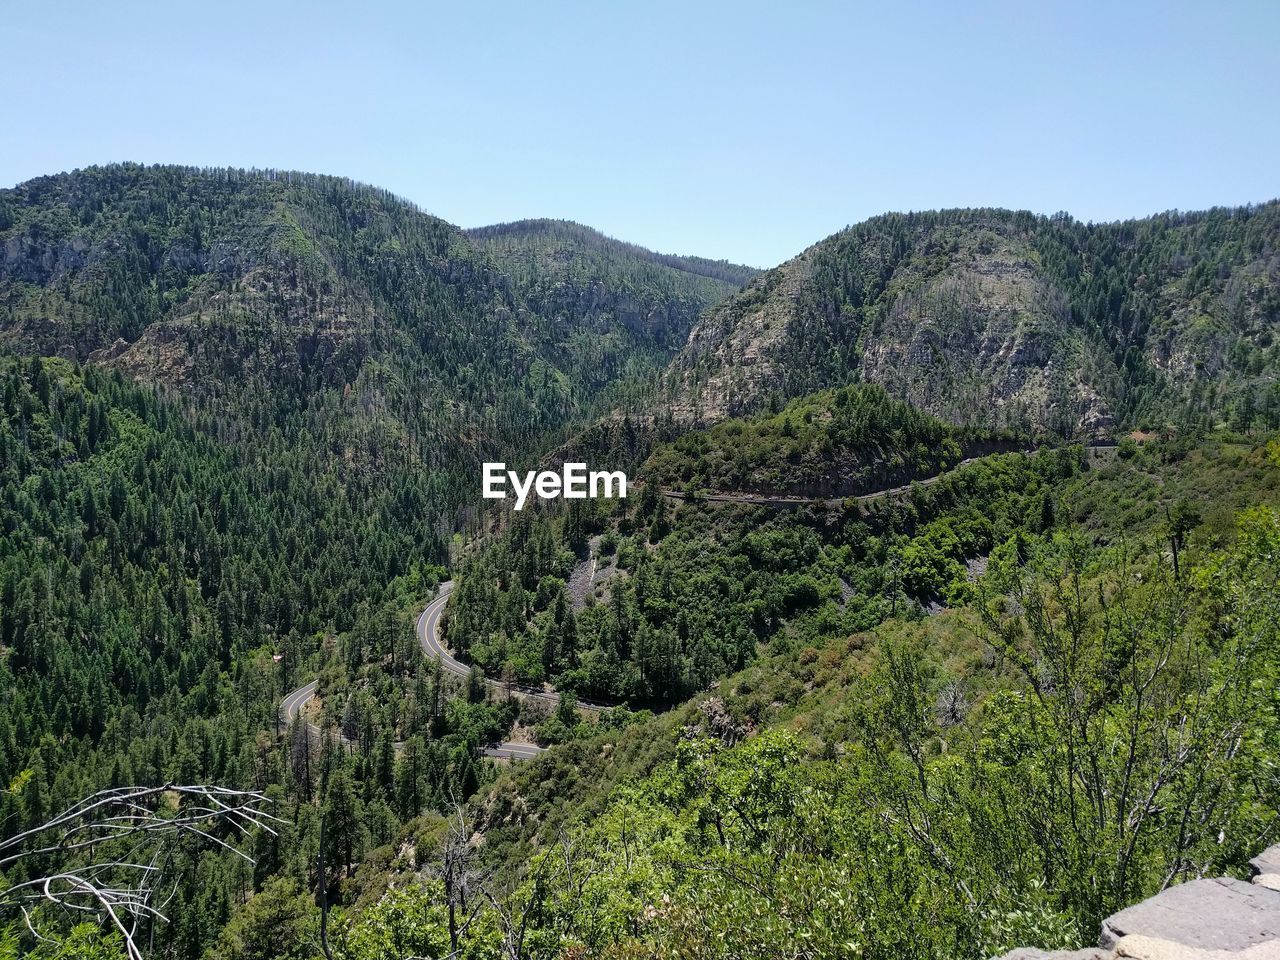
241	418
747	846
993	318
826	795
273	296
620	310
161	589
241	472
676	595
838	442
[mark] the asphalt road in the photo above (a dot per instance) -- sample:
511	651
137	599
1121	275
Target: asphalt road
429	637
294	702
433	646
786	503
783	503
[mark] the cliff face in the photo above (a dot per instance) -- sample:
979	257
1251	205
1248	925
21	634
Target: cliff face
998	318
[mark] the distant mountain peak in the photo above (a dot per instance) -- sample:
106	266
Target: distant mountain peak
552	231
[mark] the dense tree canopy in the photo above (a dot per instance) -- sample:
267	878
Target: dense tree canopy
241	416
995	317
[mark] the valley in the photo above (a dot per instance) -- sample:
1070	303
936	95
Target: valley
955	518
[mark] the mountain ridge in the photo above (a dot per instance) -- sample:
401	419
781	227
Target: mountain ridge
284	292
216	280
723	269
1032	321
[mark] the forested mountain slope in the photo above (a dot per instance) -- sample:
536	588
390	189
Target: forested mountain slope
162	588
844	442
528	248
827	794
1000	318
621	311
321	368
650	600
275	294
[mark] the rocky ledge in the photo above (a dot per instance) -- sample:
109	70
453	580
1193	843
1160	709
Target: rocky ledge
1208	919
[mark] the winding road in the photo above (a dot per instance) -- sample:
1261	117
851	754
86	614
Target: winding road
786	503
429	637
428	626
777	502
432	646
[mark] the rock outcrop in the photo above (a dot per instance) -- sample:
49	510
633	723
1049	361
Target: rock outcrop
1206	919
1220	914
996	318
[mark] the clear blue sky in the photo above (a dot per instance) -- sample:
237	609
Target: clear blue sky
738	130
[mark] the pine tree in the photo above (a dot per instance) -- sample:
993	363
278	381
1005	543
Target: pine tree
342	823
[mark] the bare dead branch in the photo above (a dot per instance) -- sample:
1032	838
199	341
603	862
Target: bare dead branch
122	889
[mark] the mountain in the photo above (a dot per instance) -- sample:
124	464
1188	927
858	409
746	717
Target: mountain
529	247
287	294
240	420
826	792
625	309
994	317
227	500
